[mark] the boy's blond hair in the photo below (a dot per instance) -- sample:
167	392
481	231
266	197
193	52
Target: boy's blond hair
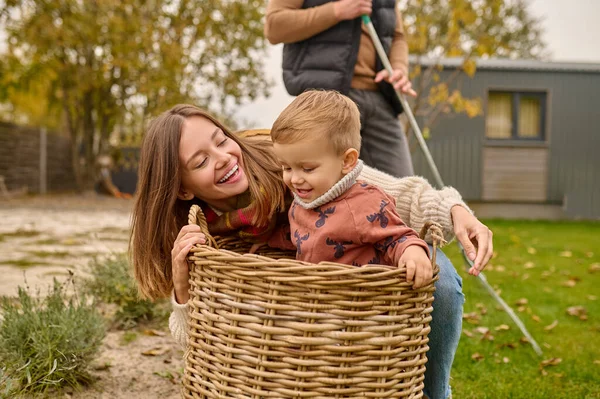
319	113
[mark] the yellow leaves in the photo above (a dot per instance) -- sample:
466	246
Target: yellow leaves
426	133
502	327
473	107
415	72
531	250
477	357
469	67
566	254
594	268
438	94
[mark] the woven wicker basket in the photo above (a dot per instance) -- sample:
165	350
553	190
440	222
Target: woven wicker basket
268	326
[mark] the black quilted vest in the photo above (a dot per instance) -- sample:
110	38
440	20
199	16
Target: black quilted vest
327	60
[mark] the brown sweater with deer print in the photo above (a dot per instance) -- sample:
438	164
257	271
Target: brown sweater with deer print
359	227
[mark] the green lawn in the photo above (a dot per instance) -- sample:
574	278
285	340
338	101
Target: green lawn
553	266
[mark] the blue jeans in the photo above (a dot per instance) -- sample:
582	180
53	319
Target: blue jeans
446	328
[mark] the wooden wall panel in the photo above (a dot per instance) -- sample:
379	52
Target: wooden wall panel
515	174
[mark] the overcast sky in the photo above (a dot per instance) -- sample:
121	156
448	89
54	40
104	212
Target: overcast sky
571	30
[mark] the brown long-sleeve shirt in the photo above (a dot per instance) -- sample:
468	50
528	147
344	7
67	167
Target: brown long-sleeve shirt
359	227
287	22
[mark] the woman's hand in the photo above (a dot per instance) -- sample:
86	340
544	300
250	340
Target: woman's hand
474	236
189	236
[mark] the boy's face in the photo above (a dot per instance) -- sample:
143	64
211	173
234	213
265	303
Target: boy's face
310	167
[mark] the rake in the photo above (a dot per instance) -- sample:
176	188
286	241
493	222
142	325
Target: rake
438	179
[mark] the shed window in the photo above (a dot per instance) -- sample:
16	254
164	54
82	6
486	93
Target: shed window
515	115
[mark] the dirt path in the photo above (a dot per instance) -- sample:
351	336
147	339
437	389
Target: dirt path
42	238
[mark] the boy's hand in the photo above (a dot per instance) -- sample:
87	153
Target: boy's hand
418	266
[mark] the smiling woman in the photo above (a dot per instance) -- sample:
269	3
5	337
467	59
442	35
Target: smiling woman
188	157
213	168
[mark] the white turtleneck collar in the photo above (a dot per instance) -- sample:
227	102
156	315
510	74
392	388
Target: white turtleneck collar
335	191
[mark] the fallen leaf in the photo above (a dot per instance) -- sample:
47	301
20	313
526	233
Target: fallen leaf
155	333
521	309
589	254
592	297
550	362
482	308
157	351
546	345
510	345
500	268
566	254
468	333
569	283
502	327
531	250
577	311
477	356
547	289
525	276
505	359
482	330
524	340
551	325
597	362
522	301
529	265
594	267
101	366
472	318
536	318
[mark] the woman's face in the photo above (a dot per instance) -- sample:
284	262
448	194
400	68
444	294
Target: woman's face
211	164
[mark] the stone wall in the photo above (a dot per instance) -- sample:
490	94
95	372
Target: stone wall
20	159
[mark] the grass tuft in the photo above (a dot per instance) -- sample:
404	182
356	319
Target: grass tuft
47	342
112	283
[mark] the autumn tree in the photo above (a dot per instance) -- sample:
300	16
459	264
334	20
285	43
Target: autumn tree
91	68
466	29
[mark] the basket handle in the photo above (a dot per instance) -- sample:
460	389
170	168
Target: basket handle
196	216
437	237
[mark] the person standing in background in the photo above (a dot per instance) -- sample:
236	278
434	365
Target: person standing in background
326	46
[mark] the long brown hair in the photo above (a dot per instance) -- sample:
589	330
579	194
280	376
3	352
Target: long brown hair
158	213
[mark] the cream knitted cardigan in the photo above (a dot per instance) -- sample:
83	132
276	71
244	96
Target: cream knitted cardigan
416	202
